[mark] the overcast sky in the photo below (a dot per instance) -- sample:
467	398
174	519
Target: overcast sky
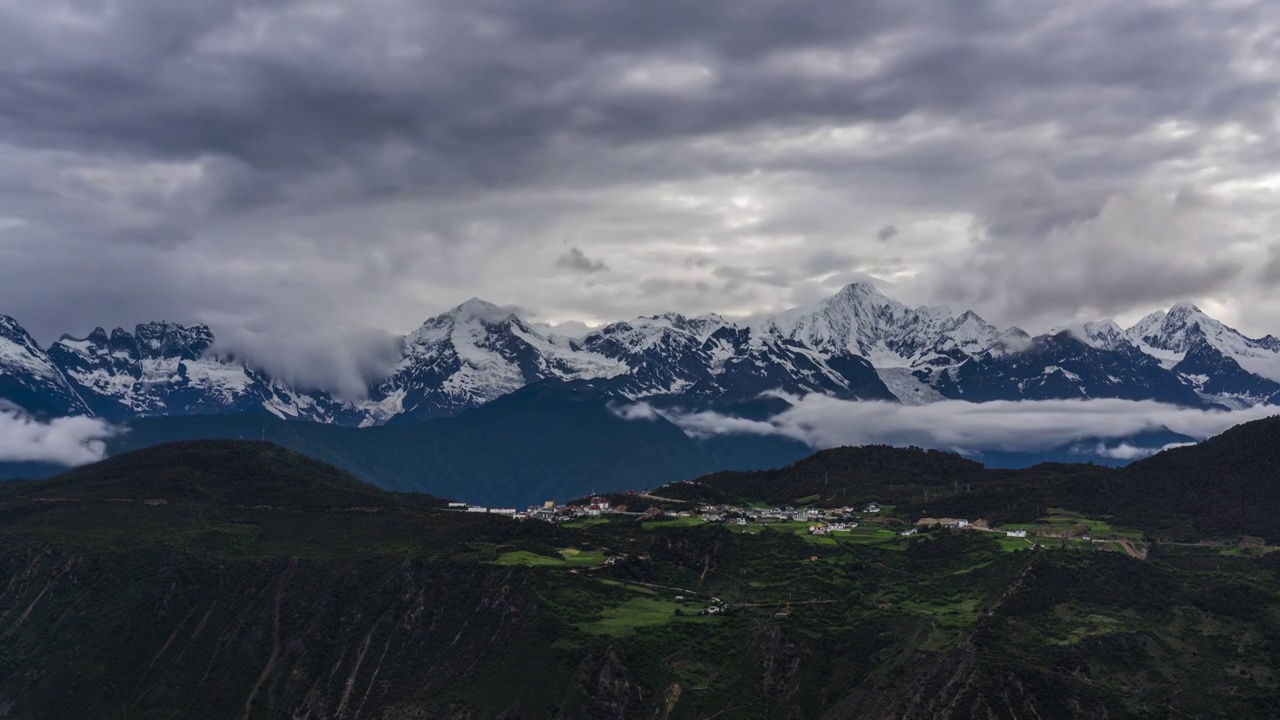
304	174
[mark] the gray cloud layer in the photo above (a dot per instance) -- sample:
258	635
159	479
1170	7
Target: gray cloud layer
1026	426
311	171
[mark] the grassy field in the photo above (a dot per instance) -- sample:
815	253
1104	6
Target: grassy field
1067	522
955	613
1012	544
528	559
586	522
675	522
574	557
868	535
569	557
622	620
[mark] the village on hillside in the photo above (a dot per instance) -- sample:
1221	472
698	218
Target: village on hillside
863	522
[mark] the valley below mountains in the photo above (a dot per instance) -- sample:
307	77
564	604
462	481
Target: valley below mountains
222	579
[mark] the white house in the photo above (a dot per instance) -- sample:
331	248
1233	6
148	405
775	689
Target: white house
477	509
1016	533
504	511
906	533
873	508
457	505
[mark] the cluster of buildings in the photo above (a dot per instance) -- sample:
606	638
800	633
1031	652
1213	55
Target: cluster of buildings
831	528
548	511
834	519
465	507
824	521
844	517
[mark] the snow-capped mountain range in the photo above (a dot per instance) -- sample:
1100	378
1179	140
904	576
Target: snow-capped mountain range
857	344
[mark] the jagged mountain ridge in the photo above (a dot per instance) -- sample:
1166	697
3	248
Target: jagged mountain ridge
170	369
858	344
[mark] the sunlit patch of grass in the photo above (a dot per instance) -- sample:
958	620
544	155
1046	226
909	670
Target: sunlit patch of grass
528	559
639	612
675	522
586	522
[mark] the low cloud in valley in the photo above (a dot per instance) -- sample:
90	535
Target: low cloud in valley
953	425
61	441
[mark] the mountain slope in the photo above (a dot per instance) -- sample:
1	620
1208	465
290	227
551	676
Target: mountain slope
473	354
860	320
30	379
219	472
1064	367
1229	484
159	369
1222	488
1170	335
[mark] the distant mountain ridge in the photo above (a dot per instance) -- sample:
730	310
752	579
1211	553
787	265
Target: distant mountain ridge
858	344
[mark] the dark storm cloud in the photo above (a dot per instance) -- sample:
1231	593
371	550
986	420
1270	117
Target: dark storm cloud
575	259
300	169
479	88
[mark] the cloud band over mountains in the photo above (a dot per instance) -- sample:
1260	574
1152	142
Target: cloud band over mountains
1005	426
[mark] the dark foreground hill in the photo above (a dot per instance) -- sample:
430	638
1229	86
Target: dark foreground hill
240	580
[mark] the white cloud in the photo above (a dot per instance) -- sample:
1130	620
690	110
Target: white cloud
1005	426
62	441
636	411
1125	451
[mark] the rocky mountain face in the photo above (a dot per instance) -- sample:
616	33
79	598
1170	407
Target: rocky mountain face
858	344
470	355
168	369
30	379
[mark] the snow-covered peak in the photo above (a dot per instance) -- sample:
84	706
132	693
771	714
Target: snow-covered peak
29	378
968	333
861	320
700	327
1102	334
19	352
864	292
1173	331
9	328
154	340
1168	336
477	309
167	340
475	353
1185	311
472	318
